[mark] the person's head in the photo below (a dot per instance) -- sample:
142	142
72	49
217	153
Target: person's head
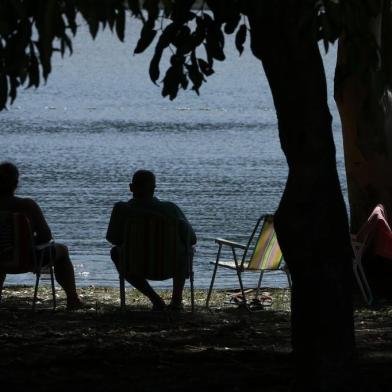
143	184
9	175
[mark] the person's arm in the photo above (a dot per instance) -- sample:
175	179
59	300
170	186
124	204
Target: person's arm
40	227
115	230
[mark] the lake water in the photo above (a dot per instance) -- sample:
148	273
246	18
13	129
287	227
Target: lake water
78	139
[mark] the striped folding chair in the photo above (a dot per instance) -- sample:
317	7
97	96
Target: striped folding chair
153	249
19	254
266	255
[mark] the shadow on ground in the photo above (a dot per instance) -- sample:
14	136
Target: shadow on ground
103	348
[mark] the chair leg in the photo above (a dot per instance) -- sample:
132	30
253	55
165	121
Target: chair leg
191	276
239	277
289	279
38	276
245	301
121	270
259	284
122	292
363	283
213	275
53	288
2	279
192	292
51	269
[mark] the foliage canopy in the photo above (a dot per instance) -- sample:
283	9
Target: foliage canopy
193	32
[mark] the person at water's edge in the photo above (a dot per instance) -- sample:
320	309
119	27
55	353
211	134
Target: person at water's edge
143	188
63	268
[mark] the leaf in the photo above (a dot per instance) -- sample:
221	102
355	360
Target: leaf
184	82
182	40
215	43
167	7
167	36
93	24
198	36
205	67
147	35
210	59
154	67
232	24
134	6
326	45
240	38
152	8
195	76
3	90
182	11
33	69
174	77
14	84
65	42
70	14
45	53
120	24
171	83
107	14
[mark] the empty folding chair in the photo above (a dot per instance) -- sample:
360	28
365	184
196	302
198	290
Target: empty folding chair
265	252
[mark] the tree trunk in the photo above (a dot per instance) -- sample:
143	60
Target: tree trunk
365	107
311	221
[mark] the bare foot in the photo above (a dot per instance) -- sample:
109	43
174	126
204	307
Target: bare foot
159	306
76	304
176	306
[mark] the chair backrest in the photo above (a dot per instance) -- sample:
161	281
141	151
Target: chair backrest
17	253
151	247
267	254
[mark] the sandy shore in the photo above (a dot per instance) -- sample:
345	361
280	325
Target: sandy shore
225	348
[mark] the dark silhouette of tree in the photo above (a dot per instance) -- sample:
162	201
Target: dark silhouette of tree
311	220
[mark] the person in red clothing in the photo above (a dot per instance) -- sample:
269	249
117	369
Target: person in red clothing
63	268
377	232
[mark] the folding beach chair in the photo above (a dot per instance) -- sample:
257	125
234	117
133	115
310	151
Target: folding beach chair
153	249
266	255
377	234
18	254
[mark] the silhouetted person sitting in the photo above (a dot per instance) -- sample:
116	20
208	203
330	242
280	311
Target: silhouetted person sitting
142	188
63	268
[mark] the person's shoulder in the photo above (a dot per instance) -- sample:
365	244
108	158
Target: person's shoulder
26	202
120	205
124	208
172	209
168	204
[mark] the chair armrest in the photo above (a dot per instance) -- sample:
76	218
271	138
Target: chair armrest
233	244
45	245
